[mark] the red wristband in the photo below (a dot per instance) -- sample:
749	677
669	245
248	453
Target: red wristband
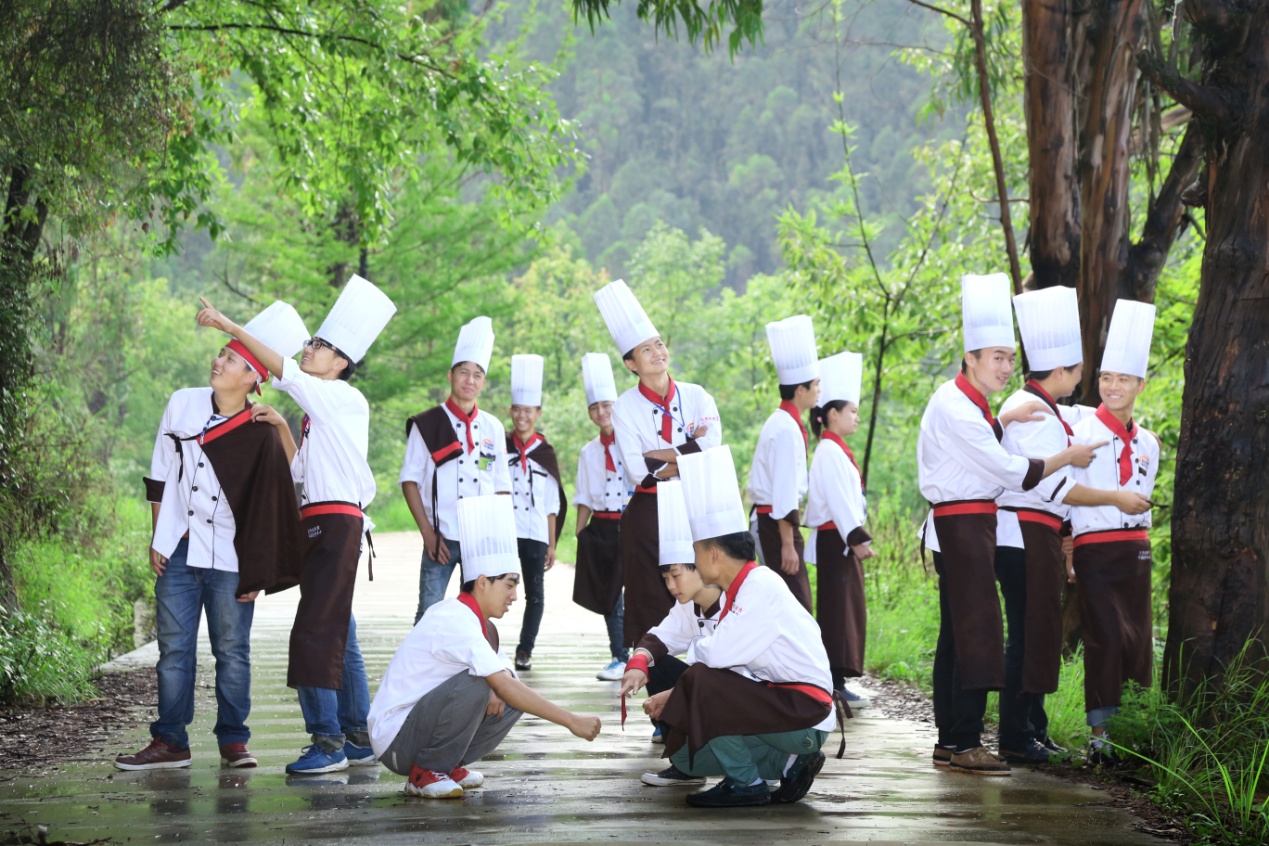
638	662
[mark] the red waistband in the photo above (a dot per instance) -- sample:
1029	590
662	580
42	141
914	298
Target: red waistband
763	509
827	526
816	693
1112	536
641	489
1044	518
320	509
606	515
973	506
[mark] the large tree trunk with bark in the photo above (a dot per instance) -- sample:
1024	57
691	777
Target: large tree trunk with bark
1220	524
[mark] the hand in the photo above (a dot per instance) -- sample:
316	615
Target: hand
789	564
435	545
267	414
157	562
249	597
1082	455
654	705
699	432
550	557
1068	546
632	682
1070	569
1028	412
496	706
209	316
1131	502
863	551
584	726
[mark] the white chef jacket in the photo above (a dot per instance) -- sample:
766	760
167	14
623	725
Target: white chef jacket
448	640
1103	473
480	472
684	624
193	502
958	456
331	461
637	423
767	635
836	496
778	475
599	488
534	495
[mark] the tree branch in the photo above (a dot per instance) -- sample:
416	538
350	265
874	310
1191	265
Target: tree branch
951	15
1164	219
1205	102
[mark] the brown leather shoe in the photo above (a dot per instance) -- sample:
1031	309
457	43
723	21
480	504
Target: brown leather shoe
236	755
978	761
159	755
942	755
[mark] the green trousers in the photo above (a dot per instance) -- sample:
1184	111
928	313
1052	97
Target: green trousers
746	758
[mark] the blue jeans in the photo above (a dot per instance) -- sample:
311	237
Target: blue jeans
434	577
182	593
532	575
613	620
333	716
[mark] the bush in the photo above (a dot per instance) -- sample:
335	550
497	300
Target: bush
41	663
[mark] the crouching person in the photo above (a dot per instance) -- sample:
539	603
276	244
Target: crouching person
449	696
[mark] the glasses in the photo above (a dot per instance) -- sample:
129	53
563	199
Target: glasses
317	344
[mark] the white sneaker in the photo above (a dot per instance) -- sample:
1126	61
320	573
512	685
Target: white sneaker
467	779
613	672
432	785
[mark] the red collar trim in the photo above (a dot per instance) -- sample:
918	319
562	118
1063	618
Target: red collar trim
607	440
523	448
651	396
735	587
837	439
1111	422
466	418
1033	387
792	410
470	601
241	418
976	397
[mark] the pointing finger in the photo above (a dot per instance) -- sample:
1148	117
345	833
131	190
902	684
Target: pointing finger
203	300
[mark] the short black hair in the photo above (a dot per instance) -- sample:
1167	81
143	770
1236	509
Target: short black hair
665	568
470	587
1041	375
819	414
455	365
737	545
787	392
350	369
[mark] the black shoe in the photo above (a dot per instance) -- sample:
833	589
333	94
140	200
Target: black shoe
524	661
1030	752
671	775
1053	748
1104	757
797	781
725	794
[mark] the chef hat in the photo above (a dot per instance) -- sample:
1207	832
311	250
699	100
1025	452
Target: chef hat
526	380
475	343
1128	341
357	318
792	342
841	377
487	534
1049	320
672	525
711	493
597	376
280	328
625	318
986	316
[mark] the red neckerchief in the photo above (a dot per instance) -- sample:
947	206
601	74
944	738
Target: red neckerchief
1124	433
470	601
1033	387
305	425
735	587
607	441
793	412
523	448
667	421
466	418
835	438
976	397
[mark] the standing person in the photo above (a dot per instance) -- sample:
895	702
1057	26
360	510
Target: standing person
537	496
1112	546
224	528
961	469
452	450
1030	563
448	697
836	510
325	665
755	703
601	496
778	475
656	422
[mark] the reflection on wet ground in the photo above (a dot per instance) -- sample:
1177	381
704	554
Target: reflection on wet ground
543	785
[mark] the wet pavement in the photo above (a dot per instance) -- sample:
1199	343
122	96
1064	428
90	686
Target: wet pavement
543	785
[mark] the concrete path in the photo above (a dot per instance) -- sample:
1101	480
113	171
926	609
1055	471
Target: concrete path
544	784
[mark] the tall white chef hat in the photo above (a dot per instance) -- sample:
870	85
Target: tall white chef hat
526	379
475	343
986	317
280	328
713	501
841	377
487	533
1049	320
792	342
673	528
1128	341
625	318
597	377
357	318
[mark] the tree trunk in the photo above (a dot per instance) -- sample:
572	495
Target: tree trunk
1220	519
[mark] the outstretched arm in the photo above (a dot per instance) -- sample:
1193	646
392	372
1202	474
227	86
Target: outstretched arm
209	316
524	698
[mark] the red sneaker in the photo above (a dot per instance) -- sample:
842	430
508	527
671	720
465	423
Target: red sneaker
431	785
466	778
236	755
159	755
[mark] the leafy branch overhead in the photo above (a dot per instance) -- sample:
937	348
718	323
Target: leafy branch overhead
704	23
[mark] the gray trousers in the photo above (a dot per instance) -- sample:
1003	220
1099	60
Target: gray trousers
448	728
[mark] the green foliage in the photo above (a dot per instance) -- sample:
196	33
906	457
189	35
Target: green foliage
40	663
703	23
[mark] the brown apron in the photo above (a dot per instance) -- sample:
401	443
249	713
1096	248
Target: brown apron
1112	581
320	631
839	602
968	543
706	703
1046	574
597	578
647	598
769	540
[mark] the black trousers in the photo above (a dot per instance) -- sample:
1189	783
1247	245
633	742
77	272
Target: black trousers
1022	715
958	712
663	675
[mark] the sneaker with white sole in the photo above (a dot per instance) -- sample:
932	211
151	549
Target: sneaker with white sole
853	699
236	756
465	778
670	777
359	756
430	784
656	735
613	672
159	755
316	760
